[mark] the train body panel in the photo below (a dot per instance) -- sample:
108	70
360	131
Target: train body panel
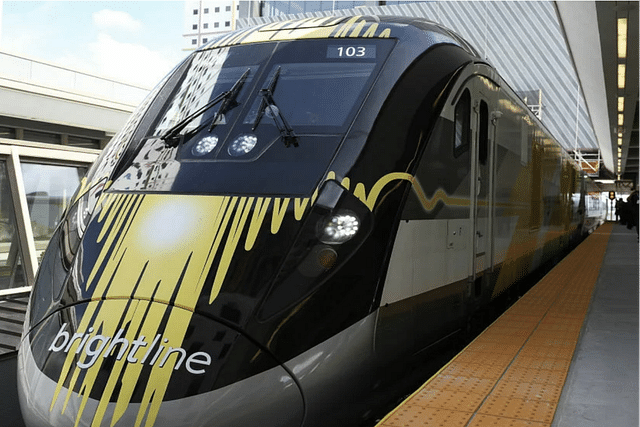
289	218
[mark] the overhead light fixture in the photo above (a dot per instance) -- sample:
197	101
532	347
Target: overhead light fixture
620	119
620	104
622	74
622	38
620	142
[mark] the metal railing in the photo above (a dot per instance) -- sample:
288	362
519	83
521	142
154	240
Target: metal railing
21	69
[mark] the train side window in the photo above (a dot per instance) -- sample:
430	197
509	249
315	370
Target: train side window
462	124
483	140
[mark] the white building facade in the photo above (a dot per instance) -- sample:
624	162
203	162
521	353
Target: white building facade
204	20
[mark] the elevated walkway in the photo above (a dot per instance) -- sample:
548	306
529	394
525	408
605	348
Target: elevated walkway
36	94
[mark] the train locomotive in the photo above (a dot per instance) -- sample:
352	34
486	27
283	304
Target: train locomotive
294	214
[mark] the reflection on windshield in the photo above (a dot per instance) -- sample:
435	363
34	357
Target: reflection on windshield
316	94
206	79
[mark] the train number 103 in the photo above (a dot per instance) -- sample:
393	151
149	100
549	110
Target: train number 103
349	51
364	51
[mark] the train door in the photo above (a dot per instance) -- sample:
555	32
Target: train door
482	148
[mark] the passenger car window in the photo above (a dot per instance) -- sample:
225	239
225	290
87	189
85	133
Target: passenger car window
462	124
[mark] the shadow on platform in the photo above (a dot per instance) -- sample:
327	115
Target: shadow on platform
11	416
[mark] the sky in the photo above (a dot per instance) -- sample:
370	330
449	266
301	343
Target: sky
135	42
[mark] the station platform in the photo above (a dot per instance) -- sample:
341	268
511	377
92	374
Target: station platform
565	354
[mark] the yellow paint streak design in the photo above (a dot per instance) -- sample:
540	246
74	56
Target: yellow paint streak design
309	28
299	208
175	235
371	31
259	213
356	31
234	238
279	209
344	29
155	249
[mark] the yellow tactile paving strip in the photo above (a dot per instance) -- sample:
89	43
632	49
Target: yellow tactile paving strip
513	373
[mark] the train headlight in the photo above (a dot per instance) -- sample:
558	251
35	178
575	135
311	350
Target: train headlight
339	227
205	145
243	144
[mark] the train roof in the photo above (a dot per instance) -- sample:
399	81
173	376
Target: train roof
341	27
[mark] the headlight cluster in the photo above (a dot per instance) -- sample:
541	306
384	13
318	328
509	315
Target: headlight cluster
205	145
240	146
339	228
335	227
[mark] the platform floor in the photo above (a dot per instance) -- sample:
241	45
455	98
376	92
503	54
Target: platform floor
552	359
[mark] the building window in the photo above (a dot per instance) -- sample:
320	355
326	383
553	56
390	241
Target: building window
216	24
195	26
11	265
227	23
49	189
217	9
228	9
205	25
206	10
205	40
6	132
195	11
194	41
79	141
37	136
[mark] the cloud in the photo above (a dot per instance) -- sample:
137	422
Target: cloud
128	62
113	19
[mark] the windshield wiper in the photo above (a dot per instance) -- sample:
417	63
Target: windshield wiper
229	97
285	130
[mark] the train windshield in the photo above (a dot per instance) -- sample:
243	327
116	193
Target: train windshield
256	119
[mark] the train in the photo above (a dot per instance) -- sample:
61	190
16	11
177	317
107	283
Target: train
294	215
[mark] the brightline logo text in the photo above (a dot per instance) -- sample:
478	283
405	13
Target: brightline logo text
94	346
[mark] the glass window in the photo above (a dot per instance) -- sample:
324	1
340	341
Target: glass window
216	24
6	132
217	9
194	41
79	141
37	136
227	23
483	135
195	11
11	268
49	189
205	25
195	26
306	92
228	9
206	10
462	125
203	138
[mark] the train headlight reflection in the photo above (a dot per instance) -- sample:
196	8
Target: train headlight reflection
205	145
339	228
243	144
